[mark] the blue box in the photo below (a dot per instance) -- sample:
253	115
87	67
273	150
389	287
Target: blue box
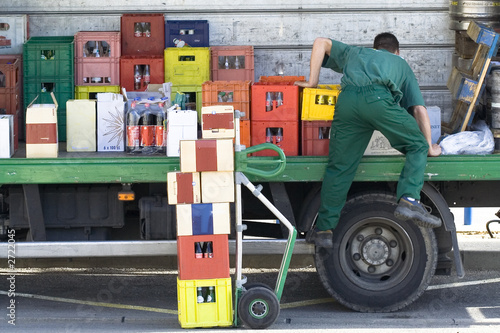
194	33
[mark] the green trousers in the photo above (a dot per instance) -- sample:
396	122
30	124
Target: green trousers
358	112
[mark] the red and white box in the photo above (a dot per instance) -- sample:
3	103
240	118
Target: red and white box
217	186
6	135
183	188
203	219
110	122
41	130
207	155
181	125
217	122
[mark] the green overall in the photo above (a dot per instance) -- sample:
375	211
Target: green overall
374	85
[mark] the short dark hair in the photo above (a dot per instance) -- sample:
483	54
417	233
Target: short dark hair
386	41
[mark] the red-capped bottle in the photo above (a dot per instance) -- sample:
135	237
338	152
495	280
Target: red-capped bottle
133	132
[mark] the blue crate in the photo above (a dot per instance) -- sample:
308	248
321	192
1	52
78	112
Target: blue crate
193	32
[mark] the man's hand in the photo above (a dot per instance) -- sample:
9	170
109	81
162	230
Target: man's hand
305	84
434	150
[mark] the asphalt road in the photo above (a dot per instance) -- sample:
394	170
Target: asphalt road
125	300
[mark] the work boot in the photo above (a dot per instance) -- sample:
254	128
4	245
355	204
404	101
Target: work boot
321	238
412	209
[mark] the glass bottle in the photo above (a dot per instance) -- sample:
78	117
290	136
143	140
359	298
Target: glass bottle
147	125
199	295
137	78
198	252
269	101
133	136
146	77
211	295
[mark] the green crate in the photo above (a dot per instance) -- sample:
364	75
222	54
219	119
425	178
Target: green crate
49	57
195	90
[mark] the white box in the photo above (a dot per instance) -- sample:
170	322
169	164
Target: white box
80	125
41	130
217	186
15	35
181	125
6	136
217	122
110	122
435	118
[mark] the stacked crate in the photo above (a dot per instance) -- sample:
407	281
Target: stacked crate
232	63
275	114
142	40
11	91
48	66
318	107
202	192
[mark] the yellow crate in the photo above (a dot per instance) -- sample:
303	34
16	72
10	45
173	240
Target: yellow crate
89	92
319	103
190	89
193	314
187	65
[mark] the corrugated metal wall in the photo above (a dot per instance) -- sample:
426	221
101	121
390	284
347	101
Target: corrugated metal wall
281	31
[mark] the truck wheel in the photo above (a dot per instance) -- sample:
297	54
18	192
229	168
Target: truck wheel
378	263
258	308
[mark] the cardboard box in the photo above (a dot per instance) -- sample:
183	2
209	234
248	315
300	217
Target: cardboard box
110	122
80	125
181	125
217	186
217	122
207	155
203	219
16	33
183	188
41	129
6	136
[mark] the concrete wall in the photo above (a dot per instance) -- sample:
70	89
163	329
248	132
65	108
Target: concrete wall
281	31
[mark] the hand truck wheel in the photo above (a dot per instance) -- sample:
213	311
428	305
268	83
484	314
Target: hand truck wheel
258	307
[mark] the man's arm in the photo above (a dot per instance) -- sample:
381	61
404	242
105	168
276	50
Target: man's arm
424	123
321	46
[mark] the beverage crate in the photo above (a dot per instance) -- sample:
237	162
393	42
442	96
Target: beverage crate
97	64
10	85
232	63
275	102
49	57
193	32
195	100
207	314
245	133
127	68
281	79
319	103
268	131
14	106
235	93
203	265
13	38
315	137
142	34
90	92
187	65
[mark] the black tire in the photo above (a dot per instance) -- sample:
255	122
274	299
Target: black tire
256	284
258	308
378	263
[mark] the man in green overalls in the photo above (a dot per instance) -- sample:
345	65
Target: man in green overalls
379	92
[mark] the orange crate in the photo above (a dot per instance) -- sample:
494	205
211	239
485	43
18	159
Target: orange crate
148	39
245	133
281	79
315	137
274	102
193	268
267	131
102	70
127	67
232	63
236	93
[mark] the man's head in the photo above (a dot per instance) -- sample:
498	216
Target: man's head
386	41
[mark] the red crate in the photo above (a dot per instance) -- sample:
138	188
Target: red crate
192	268
232	63
281	79
270	93
143	43
10	72
102	70
266	131
127	67
239	91
315	137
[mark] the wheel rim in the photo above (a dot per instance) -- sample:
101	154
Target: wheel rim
376	254
258	308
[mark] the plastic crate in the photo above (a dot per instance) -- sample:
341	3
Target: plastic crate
281	79
193	32
193	314
127	68
232	63
275	102
15	35
10	85
141	41
195	96
245	133
187	65
319	103
49	57
90	92
315	137
267	131
101	70
235	93
192	267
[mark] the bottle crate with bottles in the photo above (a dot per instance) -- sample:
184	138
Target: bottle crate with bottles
232	63
137	72
142	34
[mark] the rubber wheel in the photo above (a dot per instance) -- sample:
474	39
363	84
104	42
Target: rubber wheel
256	284
258	307
378	263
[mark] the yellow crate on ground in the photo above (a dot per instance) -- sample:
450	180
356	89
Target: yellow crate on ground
90	92
206	312
319	103
187	65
